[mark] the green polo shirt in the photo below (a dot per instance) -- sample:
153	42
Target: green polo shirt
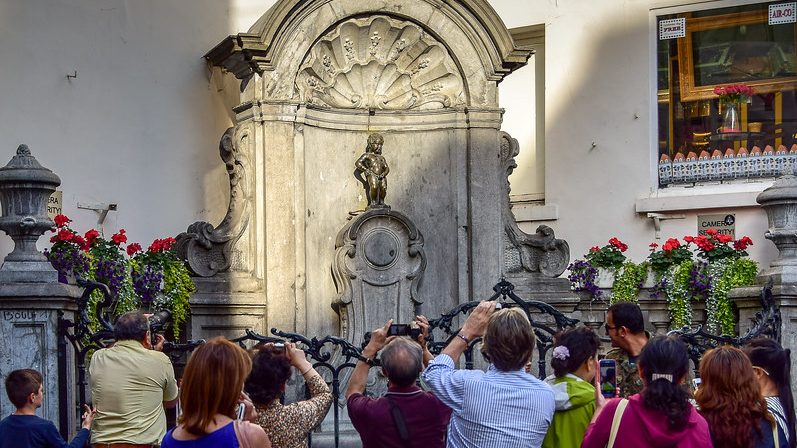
129	384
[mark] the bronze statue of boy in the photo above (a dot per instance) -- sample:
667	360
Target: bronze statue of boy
374	167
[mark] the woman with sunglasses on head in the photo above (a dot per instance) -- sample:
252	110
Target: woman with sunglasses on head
771	366
730	399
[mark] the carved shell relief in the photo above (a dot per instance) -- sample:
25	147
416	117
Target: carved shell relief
381	63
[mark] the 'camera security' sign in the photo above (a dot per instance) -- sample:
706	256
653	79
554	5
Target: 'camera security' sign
725	224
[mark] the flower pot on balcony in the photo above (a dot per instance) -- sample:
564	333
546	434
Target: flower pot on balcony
605	278
650	280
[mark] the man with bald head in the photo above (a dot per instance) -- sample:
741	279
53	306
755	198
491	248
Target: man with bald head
406	416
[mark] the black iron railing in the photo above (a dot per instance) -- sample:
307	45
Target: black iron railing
333	355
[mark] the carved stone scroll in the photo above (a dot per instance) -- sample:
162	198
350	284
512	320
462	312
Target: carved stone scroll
208	249
541	252
381	63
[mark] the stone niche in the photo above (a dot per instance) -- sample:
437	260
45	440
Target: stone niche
316	78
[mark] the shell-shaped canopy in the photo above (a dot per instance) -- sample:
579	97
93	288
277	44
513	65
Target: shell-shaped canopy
382	63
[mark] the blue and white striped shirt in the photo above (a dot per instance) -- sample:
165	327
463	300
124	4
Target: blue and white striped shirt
493	409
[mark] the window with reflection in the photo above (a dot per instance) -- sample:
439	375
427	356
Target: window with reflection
707	130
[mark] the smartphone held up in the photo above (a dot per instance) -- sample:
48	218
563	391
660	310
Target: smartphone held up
608	378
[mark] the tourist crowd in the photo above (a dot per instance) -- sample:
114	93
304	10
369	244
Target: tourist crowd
644	396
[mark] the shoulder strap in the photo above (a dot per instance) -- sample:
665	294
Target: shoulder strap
243	441
398	419
618	416
775	436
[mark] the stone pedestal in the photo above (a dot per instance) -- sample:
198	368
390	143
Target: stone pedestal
227	305
29	321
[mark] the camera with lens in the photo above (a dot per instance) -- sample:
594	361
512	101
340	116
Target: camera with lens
413	330
158	323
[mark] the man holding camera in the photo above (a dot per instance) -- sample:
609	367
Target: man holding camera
406	416
131	382
505	406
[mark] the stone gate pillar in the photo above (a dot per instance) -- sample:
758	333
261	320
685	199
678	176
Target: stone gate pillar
780	203
32	302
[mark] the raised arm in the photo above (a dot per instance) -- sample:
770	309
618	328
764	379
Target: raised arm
360	375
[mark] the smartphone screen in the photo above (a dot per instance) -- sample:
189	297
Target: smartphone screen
398	330
608	375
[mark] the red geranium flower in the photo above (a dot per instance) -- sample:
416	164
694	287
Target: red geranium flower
722	238
91	235
162	245
119	238
689	239
742	243
653	245
618	244
61	220
594	249
671	244
65	235
81	242
133	248
712	231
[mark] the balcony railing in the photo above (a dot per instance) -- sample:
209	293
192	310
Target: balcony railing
731	165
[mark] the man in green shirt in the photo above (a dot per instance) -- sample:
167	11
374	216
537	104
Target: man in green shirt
131	382
625	326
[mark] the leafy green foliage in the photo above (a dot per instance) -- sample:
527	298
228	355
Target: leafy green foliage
627	282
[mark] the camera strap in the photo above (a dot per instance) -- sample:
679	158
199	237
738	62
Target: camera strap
398	419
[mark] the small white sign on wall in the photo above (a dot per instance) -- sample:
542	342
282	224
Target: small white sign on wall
55	205
672	28
724	224
783	13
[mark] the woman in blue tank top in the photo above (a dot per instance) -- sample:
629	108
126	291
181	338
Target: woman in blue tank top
209	395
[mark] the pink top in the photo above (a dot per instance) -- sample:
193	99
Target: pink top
642	427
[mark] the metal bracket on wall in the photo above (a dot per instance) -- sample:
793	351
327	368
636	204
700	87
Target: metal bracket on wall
659	217
101	208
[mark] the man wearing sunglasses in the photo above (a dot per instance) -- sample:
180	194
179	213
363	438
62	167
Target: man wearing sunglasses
626	328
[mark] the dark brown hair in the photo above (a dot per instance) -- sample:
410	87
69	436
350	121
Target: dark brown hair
270	370
628	315
730	398
212	382
509	339
582	344
666	355
20	384
772	357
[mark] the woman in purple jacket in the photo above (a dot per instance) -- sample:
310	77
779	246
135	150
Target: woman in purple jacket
660	415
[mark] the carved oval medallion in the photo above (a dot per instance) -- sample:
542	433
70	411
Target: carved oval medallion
382	63
380	248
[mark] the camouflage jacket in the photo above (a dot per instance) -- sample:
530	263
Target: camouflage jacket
628	380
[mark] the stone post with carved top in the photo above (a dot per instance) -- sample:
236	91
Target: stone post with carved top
32	302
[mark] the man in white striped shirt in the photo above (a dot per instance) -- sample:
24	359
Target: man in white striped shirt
504	407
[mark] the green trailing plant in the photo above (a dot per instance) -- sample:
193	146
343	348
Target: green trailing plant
627	282
679	295
728	273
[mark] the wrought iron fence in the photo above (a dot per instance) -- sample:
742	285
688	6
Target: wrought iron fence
545	319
